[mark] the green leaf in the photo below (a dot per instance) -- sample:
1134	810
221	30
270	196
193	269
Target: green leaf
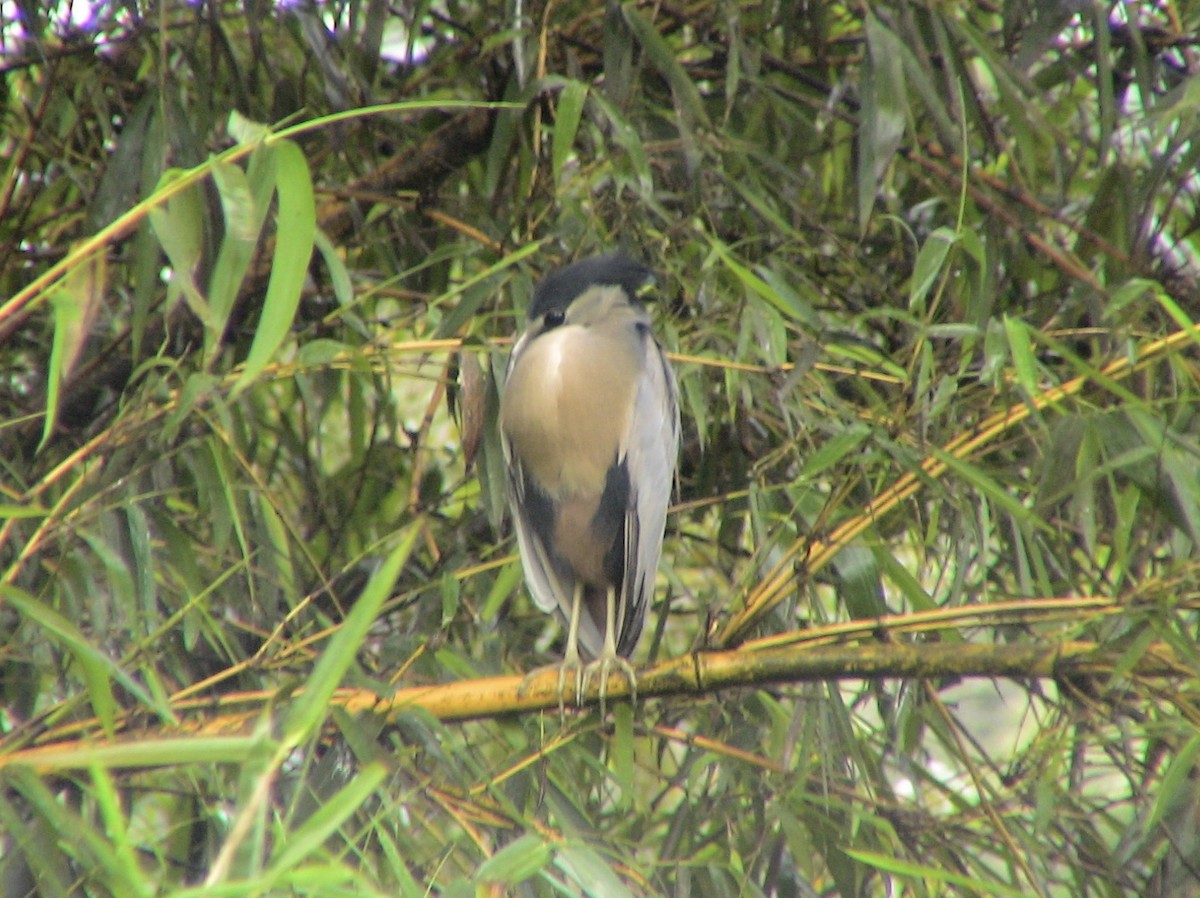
627	137
179	226
987	485
116	829
307	840
1019	345
835	450
95	668
516	862
590	872
245	198
621	754
662	57
884	112
312	705
78	837
860	586
75	300
757	285
507	581
294	238
902	867
142	752
929	266
566	124
321	353
477	288
245	130
339	277
1172	308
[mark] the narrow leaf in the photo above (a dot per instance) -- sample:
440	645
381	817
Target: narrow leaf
245	198
687	97
884	112
1022	354
75	301
96	668
928	267
516	861
907	868
302	844
566	124
179	226
312	705
295	235
835	450
590	872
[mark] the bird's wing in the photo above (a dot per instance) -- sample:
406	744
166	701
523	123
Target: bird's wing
551	585
550	589
651	452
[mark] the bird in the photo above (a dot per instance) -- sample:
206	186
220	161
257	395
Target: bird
589	425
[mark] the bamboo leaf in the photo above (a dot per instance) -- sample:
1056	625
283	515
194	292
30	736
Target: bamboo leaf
313	704
929	266
179	226
516	861
1019	345
308	839
75	300
884	113
294	239
568	114
904	868
95	668
245	198
683	89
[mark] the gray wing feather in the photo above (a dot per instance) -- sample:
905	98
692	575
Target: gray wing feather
552	588
651	452
550	591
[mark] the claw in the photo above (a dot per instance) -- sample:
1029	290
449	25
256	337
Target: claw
570	662
603	667
580	679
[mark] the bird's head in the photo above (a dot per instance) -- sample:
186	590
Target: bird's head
588	293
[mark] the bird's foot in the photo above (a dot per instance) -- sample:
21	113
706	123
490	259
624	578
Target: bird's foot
604	666
564	668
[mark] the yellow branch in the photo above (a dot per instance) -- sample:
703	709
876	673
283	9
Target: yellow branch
816	554
232	735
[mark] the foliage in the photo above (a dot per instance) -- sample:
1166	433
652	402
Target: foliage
929	273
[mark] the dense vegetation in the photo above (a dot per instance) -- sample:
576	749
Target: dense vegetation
930	593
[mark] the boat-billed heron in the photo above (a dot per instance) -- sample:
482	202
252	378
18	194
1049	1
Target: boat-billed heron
589	421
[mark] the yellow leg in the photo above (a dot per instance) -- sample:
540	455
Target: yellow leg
571	656
609	659
571	659
603	667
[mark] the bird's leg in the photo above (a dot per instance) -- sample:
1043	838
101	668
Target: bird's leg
571	656
570	659
609	658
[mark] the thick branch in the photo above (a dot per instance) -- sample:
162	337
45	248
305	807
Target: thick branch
422	168
228	733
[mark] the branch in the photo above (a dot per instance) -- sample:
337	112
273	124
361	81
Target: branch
975	442
421	167
229	734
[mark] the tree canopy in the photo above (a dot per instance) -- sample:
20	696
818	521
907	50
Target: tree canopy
928	609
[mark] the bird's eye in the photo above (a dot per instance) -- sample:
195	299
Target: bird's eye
554	318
